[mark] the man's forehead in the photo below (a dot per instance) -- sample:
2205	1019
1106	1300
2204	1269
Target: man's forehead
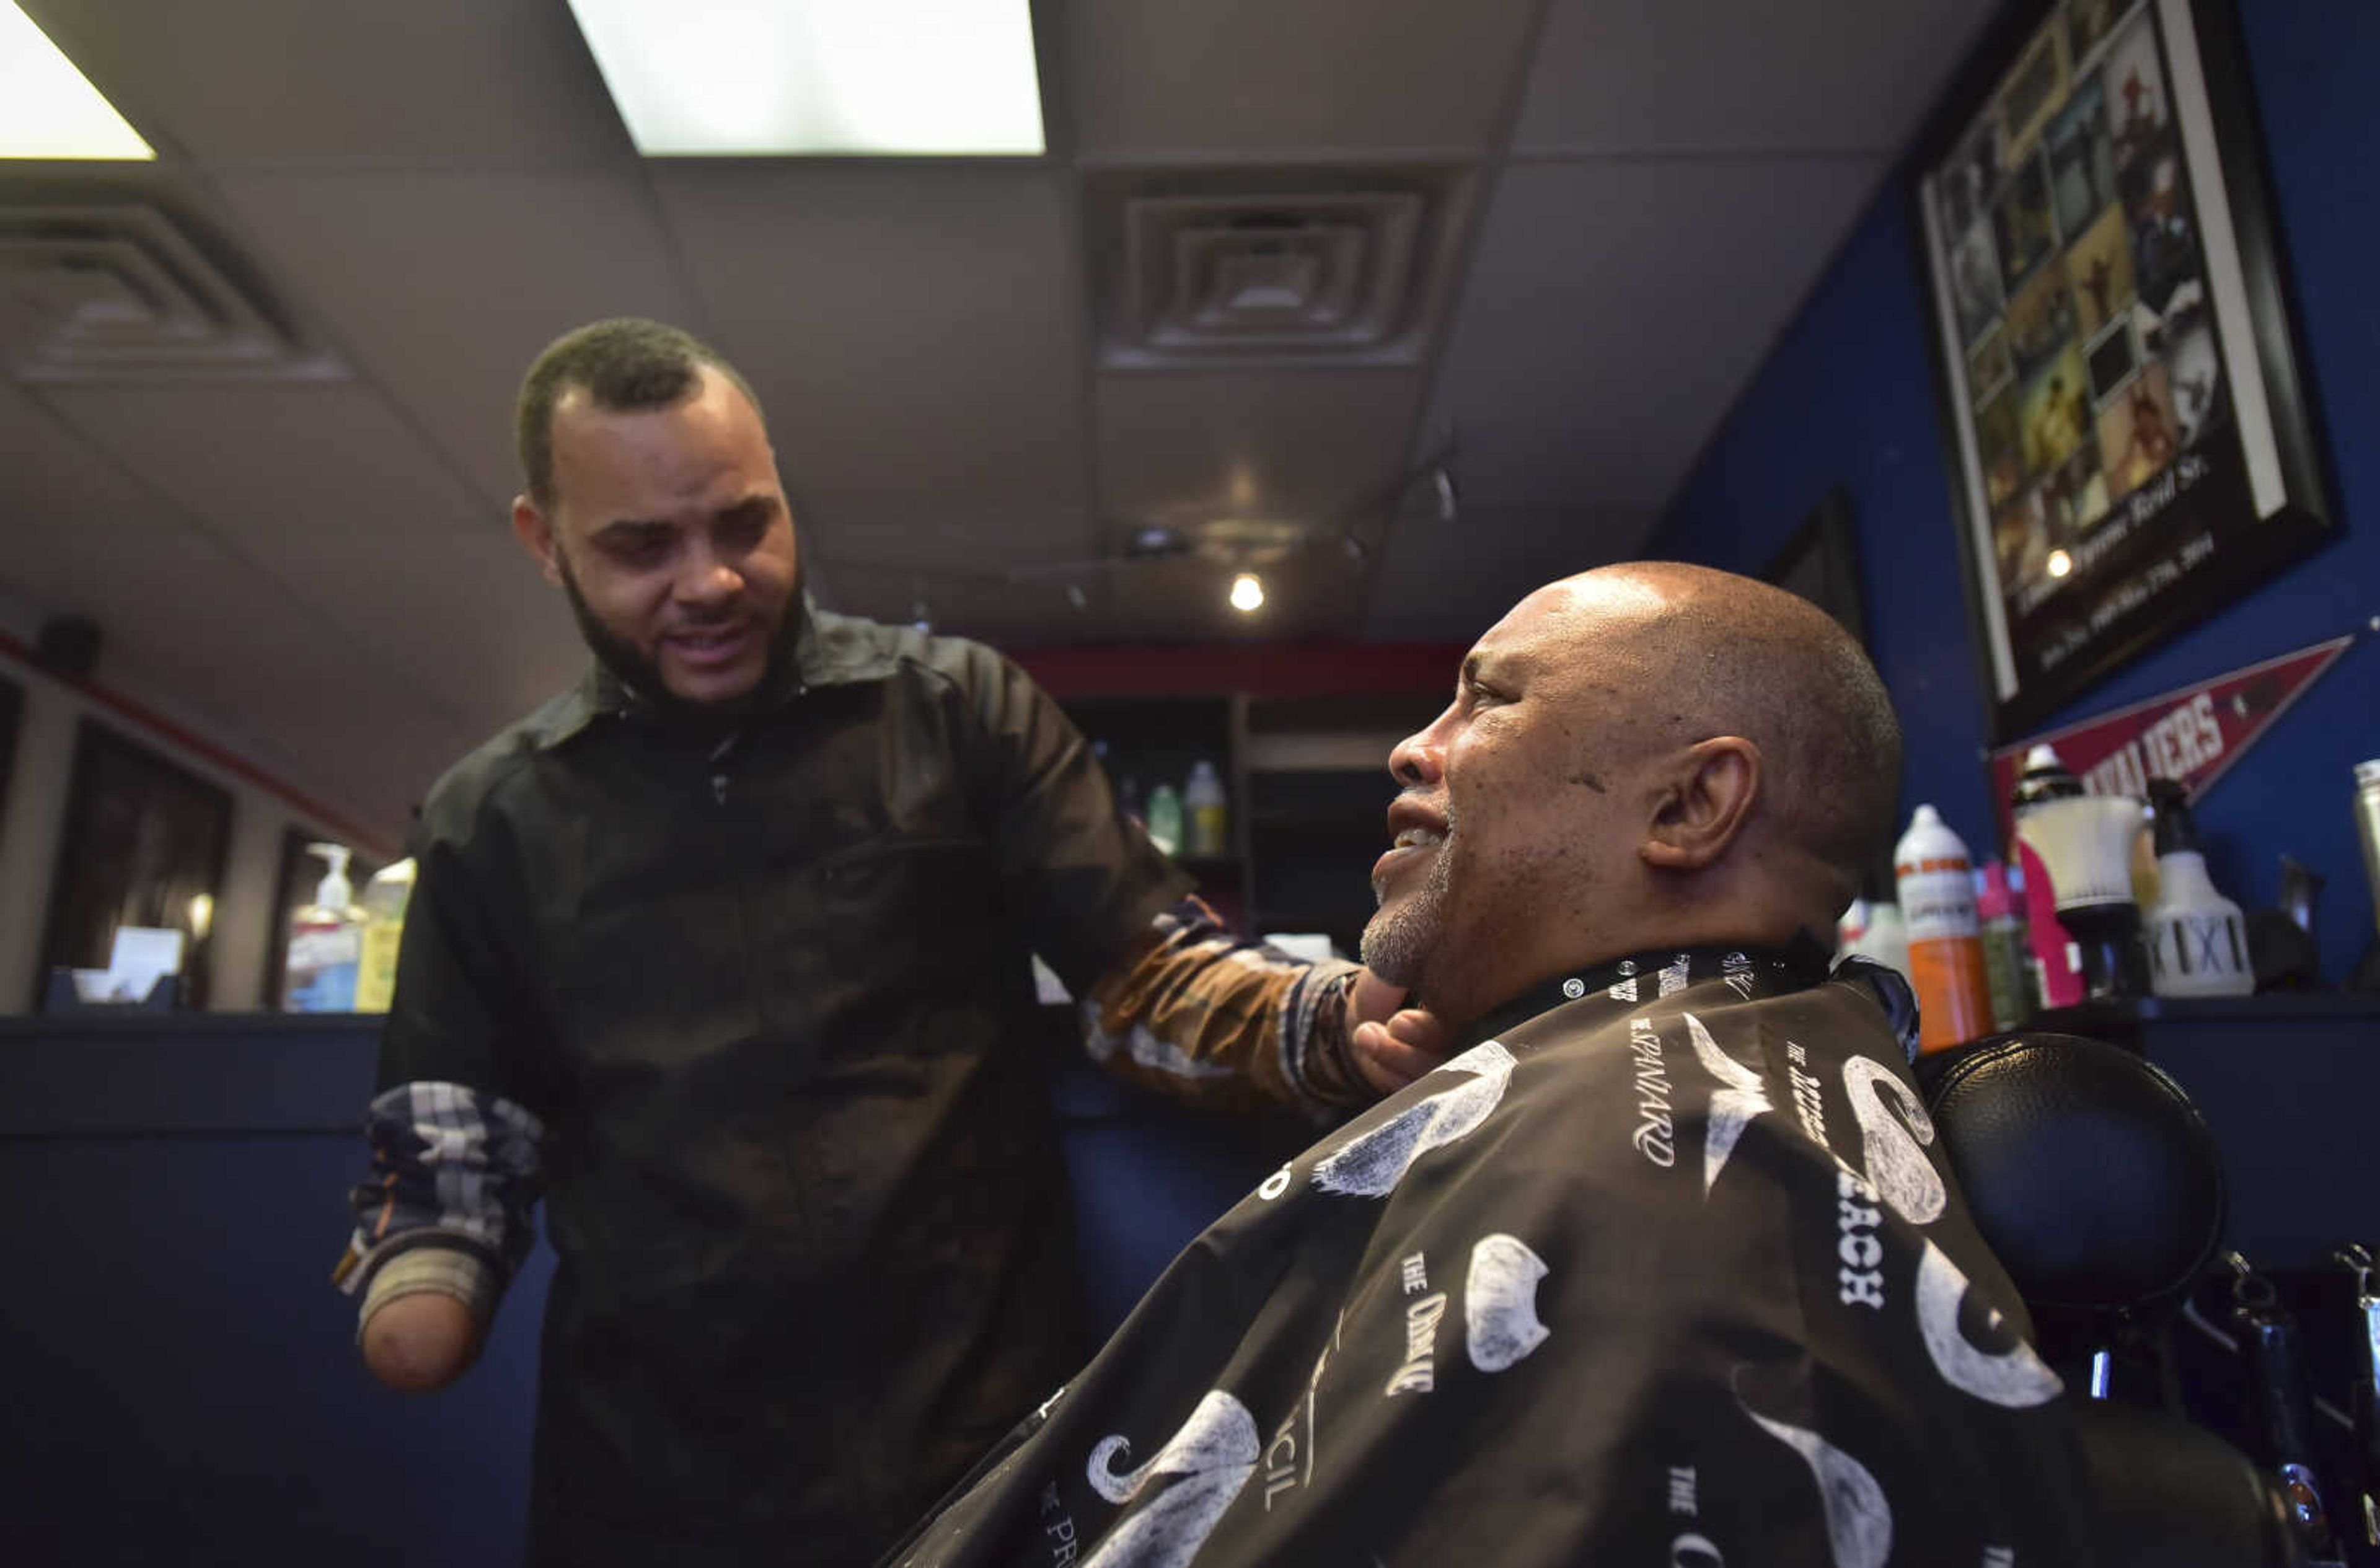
685	448
1522	624
711	394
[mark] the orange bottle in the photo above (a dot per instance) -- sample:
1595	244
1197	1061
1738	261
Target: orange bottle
1937	885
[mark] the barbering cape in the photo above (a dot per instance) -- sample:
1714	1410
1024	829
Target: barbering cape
1669	1271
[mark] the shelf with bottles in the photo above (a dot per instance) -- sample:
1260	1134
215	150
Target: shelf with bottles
1184	746
1317	796
1306	790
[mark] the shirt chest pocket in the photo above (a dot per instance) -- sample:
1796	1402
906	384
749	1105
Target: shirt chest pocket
902	917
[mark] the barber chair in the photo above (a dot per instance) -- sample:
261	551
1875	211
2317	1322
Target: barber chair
2100	1188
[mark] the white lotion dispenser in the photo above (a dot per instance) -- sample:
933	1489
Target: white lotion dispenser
325	942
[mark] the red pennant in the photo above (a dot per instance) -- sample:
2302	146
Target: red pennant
2192	734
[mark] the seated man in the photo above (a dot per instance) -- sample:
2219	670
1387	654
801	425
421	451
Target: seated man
1662	1269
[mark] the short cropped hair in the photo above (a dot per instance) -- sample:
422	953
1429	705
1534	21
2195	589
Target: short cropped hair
625	364
1741	656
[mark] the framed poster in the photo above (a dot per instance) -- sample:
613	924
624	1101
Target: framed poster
144	846
2130	445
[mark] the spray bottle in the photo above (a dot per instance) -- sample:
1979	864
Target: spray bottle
1946	950
325	942
2198	943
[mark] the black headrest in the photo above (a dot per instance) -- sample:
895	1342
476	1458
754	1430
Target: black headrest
2088	1171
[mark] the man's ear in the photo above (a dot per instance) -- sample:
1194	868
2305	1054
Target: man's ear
535	531
1705	805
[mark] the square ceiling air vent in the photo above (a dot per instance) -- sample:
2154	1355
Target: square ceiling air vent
119	291
1225	267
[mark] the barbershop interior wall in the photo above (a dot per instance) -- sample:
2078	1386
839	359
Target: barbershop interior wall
1846	398
33	815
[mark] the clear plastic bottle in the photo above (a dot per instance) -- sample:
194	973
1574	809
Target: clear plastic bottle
1872	929
1887	938
1165	819
1209	833
1936	881
385	898
325	942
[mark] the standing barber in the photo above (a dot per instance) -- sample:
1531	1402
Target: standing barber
725	951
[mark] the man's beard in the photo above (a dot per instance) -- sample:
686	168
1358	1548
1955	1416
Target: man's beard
642	675
1398	943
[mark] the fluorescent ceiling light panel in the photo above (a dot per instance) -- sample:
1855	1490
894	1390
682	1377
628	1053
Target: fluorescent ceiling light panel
773	77
47	109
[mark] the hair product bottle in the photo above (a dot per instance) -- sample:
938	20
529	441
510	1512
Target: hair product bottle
2006	964
1206	834
1936	884
2198	943
2057	961
385	898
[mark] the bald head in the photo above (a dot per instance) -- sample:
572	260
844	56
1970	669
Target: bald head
1636	758
1721	654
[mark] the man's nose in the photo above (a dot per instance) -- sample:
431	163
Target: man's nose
1418	760
708	577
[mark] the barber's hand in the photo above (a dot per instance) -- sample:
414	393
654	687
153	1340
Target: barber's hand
422	1341
1390	1046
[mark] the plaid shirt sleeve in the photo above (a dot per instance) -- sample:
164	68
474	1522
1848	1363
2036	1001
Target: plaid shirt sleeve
451	1168
1204	1015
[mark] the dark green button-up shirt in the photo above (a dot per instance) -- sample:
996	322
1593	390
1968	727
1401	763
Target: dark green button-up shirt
766	996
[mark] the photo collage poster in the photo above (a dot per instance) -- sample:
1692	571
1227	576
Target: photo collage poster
2066	240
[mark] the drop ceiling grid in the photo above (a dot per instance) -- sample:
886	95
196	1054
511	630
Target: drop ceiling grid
1614	308
462	612
256	459
438	239
204	625
1450	581
1335	81
442	287
913	333
50	478
1745	77
282	84
1312	445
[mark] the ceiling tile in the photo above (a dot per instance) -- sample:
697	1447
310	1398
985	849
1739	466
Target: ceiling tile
187	618
1741	75
976	544
463	613
377	760
51	477
255	457
289	83
443	287
1150	78
1442	581
1320	447
1315	594
1613	310
914	331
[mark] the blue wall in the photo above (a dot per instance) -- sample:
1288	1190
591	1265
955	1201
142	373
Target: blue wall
1847	399
183	1385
